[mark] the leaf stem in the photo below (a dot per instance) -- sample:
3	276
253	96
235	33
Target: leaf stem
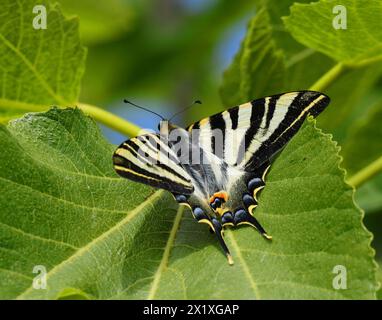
366	173
107	118
111	120
6	104
329	77
338	69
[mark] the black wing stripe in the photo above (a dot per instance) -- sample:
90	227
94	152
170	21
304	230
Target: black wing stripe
217	122
271	109
234	115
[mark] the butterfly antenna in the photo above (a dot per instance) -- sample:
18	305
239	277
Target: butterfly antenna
143	108
181	111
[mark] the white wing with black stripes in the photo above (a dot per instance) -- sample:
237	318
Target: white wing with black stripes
149	159
255	131
235	148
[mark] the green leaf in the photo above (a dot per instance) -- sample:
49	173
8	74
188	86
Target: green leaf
364	143
350	93
101	236
363	146
352	96
353	93
38	68
257	56
275	62
270	60
65	196
360	43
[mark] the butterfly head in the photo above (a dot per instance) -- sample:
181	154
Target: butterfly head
165	127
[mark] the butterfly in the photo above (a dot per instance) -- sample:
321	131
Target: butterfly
217	166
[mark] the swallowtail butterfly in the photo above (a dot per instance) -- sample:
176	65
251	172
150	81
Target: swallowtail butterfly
217	166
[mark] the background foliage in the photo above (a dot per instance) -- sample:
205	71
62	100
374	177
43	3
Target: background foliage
56	175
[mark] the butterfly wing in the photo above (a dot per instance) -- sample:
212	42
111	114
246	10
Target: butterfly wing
149	159
254	132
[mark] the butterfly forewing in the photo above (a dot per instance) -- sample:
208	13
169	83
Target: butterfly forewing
254	132
149	159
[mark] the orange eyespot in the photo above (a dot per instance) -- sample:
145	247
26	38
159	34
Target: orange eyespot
221	194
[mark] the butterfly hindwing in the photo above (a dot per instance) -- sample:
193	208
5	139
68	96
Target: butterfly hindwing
149	159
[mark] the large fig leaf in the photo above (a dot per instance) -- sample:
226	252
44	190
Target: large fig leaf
38	67
100	236
359	43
